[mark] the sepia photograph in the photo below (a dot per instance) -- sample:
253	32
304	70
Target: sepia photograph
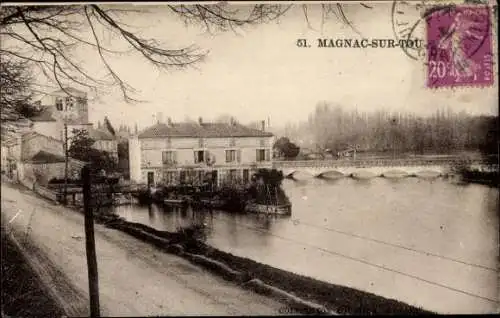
249	158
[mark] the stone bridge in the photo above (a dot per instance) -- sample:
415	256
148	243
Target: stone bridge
367	168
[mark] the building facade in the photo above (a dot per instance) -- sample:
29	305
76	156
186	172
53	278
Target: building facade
104	141
173	153
68	106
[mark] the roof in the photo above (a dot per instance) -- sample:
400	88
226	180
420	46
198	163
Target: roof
71	91
100	134
44	115
45	157
33	134
204	130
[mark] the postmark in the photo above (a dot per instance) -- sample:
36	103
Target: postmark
406	20
459	47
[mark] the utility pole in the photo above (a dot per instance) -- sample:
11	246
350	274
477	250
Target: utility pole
66	156
90	244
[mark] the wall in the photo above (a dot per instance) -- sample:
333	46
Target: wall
33	144
74	109
48	128
151	149
110	146
42	173
134	152
4	151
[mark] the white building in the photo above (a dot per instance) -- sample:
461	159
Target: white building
172	153
38	152
63	108
104	141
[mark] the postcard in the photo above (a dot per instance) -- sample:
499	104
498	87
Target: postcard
249	158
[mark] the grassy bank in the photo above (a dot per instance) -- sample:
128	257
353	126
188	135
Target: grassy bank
335	298
23	293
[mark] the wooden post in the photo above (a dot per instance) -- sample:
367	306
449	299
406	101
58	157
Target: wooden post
65	202
90	244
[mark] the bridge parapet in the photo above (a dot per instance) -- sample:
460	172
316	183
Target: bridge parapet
372	163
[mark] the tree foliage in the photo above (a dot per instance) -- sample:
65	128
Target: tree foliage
81	149
123	158
15	98
286	148
332	127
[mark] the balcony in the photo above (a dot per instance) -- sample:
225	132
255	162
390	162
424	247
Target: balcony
170	164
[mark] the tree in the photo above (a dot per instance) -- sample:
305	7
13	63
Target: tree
286	148
43	39
46	36
291	150
108	126
81	149
16	97
123	158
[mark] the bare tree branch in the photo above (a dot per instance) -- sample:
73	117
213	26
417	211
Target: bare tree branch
44	38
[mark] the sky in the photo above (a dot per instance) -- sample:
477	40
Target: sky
260	73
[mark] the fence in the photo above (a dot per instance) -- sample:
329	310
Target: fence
46	193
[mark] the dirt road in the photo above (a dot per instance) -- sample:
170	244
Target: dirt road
135	279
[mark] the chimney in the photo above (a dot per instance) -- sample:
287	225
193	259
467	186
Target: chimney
169	121
200	121
263	123
159	117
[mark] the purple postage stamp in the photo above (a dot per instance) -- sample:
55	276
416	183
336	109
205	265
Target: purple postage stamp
459	47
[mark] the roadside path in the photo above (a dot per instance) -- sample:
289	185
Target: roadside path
135	279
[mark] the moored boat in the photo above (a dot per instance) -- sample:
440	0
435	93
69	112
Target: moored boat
284	209
176	202
212	203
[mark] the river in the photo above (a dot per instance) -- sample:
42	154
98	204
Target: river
429	243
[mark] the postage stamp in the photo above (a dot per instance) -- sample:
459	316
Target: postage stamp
459	47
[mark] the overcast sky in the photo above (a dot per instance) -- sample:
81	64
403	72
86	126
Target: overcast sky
261	73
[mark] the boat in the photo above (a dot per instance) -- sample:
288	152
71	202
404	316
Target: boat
284	209
212	203
120	199
176	202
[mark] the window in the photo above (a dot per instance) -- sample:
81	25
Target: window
168	157
263	155
262	143
59	104
67	102
201	143
230	155
170	177
246	175
232	175
199	156
232	142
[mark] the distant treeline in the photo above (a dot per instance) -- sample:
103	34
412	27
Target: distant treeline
445	131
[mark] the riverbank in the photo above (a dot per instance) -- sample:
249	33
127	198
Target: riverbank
23	292
150	282
303	294
489	178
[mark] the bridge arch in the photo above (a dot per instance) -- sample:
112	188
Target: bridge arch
331	174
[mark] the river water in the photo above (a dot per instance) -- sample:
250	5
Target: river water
429	243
